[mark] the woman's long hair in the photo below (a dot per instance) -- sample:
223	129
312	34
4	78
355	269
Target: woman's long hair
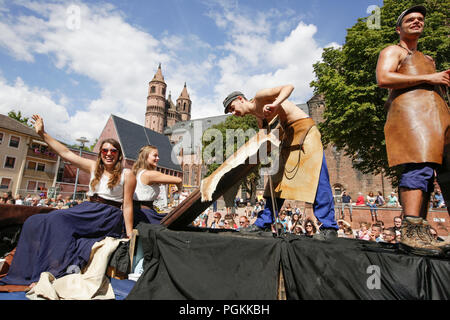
141	162
100	166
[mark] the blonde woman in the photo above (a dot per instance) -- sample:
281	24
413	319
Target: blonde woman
60	241
148	180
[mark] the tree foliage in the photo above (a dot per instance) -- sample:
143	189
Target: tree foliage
18	116
243	124
354	117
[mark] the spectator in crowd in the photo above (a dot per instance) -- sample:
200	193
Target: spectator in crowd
4	197
381	223
380	199
248	210
256	209
19	200
439	199
310	228
229	224
288	210
183	195
375	233
69	202
373	206
28	199
342	225
175	197
202	220
389	235
392	201
298	230
283	220
397	223
35	201
360	200
346	203
243	222
363	233
348	233
294	221
216	221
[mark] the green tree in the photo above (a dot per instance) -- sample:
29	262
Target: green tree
354	117
247	124
18	116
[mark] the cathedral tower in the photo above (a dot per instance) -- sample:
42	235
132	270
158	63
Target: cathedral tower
172	115
184	105
156	103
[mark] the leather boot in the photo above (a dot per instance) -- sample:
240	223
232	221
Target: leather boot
414	238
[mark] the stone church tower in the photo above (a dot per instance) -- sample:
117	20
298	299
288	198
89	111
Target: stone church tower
184	104
161	112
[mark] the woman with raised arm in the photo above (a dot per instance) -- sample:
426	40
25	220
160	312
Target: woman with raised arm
60	241
147	189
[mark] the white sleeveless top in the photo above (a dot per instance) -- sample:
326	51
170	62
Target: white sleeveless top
145	192
102	190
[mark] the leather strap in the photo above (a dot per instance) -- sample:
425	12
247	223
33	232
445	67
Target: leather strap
144	204
97	198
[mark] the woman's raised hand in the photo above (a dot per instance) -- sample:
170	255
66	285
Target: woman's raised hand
38	124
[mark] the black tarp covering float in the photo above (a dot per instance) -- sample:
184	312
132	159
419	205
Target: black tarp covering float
211	265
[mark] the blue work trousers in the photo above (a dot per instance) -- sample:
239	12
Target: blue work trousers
323	205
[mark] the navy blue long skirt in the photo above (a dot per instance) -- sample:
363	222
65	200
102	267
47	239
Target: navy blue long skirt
60	242
146	216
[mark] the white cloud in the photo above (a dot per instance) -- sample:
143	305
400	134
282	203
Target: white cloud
20	97
260	50
117	56
259	58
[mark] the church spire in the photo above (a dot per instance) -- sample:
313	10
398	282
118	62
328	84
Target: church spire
158	76
184	94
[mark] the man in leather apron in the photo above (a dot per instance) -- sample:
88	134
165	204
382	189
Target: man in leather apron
303	173
416	129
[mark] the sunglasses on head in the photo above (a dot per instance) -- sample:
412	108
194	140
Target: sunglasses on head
105	151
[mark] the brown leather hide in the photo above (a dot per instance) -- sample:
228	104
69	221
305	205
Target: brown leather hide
417	119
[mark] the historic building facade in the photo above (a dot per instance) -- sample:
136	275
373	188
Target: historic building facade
161	112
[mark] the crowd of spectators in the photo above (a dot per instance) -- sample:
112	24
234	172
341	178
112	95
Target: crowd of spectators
59	202
293	220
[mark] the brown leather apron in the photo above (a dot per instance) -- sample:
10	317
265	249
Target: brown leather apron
301	155
417	119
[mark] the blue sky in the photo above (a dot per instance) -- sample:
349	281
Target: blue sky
77	62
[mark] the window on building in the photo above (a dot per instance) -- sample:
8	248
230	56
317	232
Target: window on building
40	167
337	193
5	183
31	186
31	165
163	91
186	175
14	141
152	89
60	175
195	176
1	137
10	162
41	186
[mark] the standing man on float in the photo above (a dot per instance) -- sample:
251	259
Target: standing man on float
416	128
